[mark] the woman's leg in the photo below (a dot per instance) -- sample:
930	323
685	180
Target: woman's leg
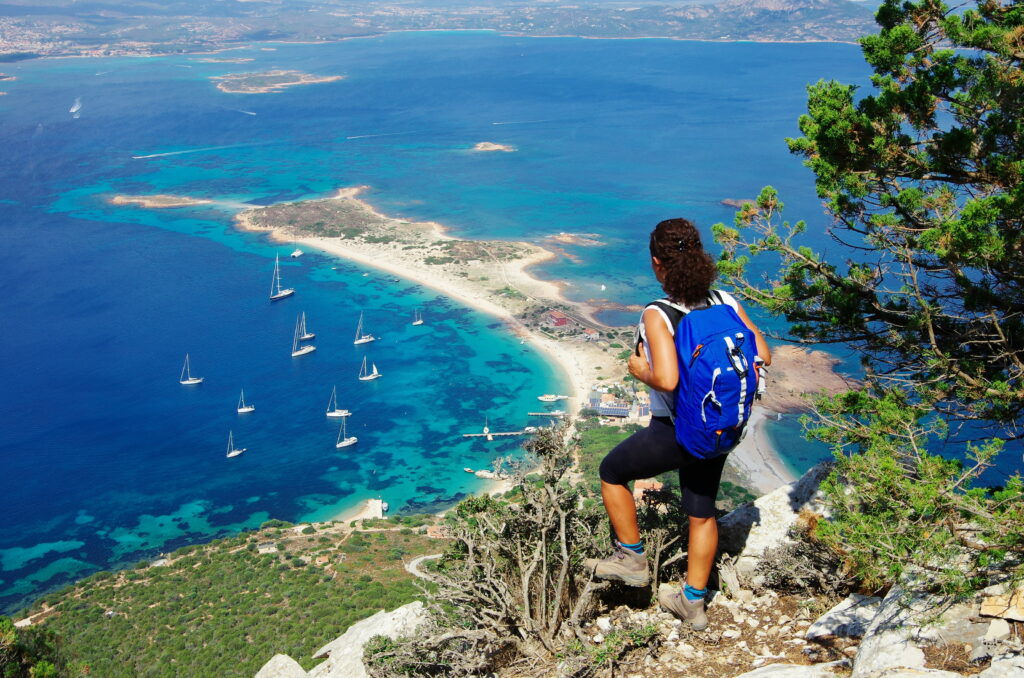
701	552
645	454
699	479
618	502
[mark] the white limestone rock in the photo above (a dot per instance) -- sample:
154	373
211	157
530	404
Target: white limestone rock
905	622
751	529
848	619
345	653
792	671
915	673
1005	666
281	666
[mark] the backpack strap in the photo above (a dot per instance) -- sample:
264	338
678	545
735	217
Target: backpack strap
673	312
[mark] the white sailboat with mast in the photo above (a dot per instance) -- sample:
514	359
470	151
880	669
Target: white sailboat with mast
276	291
305	334
186	377
360	337
332	405
364	375
344	440
232	450
243	407
297	348
417	317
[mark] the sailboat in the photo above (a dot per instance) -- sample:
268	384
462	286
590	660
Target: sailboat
332	405
276	292
232	450
298	350
417	317
344	440
296	253
360	337
368	376
243	408
304	334
186	375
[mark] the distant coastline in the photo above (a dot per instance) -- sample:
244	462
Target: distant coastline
502	33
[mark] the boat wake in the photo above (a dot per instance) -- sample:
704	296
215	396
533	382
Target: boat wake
386	134
522	122
198	150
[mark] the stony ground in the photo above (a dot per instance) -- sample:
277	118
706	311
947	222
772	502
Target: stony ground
742	635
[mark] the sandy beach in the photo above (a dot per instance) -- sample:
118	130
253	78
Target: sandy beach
757	459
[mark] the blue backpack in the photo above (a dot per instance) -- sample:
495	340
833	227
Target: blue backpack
718	376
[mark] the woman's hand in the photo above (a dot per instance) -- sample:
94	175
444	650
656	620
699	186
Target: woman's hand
639	367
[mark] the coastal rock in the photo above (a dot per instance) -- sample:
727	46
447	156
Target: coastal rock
848	619
281	666
345	653
751	529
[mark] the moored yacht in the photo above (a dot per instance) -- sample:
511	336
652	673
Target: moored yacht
276	291
186	377
332	406
243	407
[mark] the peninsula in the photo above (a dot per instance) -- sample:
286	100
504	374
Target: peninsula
493	276
268	81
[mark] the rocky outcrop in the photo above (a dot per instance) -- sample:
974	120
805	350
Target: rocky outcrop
751	529
345	653
909	619
848	619
281	666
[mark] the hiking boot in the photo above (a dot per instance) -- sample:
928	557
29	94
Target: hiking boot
624	565
691	611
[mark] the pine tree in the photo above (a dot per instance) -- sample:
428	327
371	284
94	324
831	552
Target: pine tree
922	180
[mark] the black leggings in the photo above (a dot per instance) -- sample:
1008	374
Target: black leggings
653	451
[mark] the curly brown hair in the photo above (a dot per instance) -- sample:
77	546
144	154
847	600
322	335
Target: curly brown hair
689	270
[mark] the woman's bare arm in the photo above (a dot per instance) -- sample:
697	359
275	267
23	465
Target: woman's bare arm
662	372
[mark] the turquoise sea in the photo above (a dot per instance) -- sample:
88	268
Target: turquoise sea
105	459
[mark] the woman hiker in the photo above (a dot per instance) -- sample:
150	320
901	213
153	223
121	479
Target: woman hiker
685	272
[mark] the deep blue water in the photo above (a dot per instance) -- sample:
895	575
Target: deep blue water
106	459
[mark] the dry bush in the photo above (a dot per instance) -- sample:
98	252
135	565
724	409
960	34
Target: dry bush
511	587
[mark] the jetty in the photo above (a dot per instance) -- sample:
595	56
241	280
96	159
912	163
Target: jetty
491	434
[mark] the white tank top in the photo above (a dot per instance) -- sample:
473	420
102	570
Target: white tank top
663	402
